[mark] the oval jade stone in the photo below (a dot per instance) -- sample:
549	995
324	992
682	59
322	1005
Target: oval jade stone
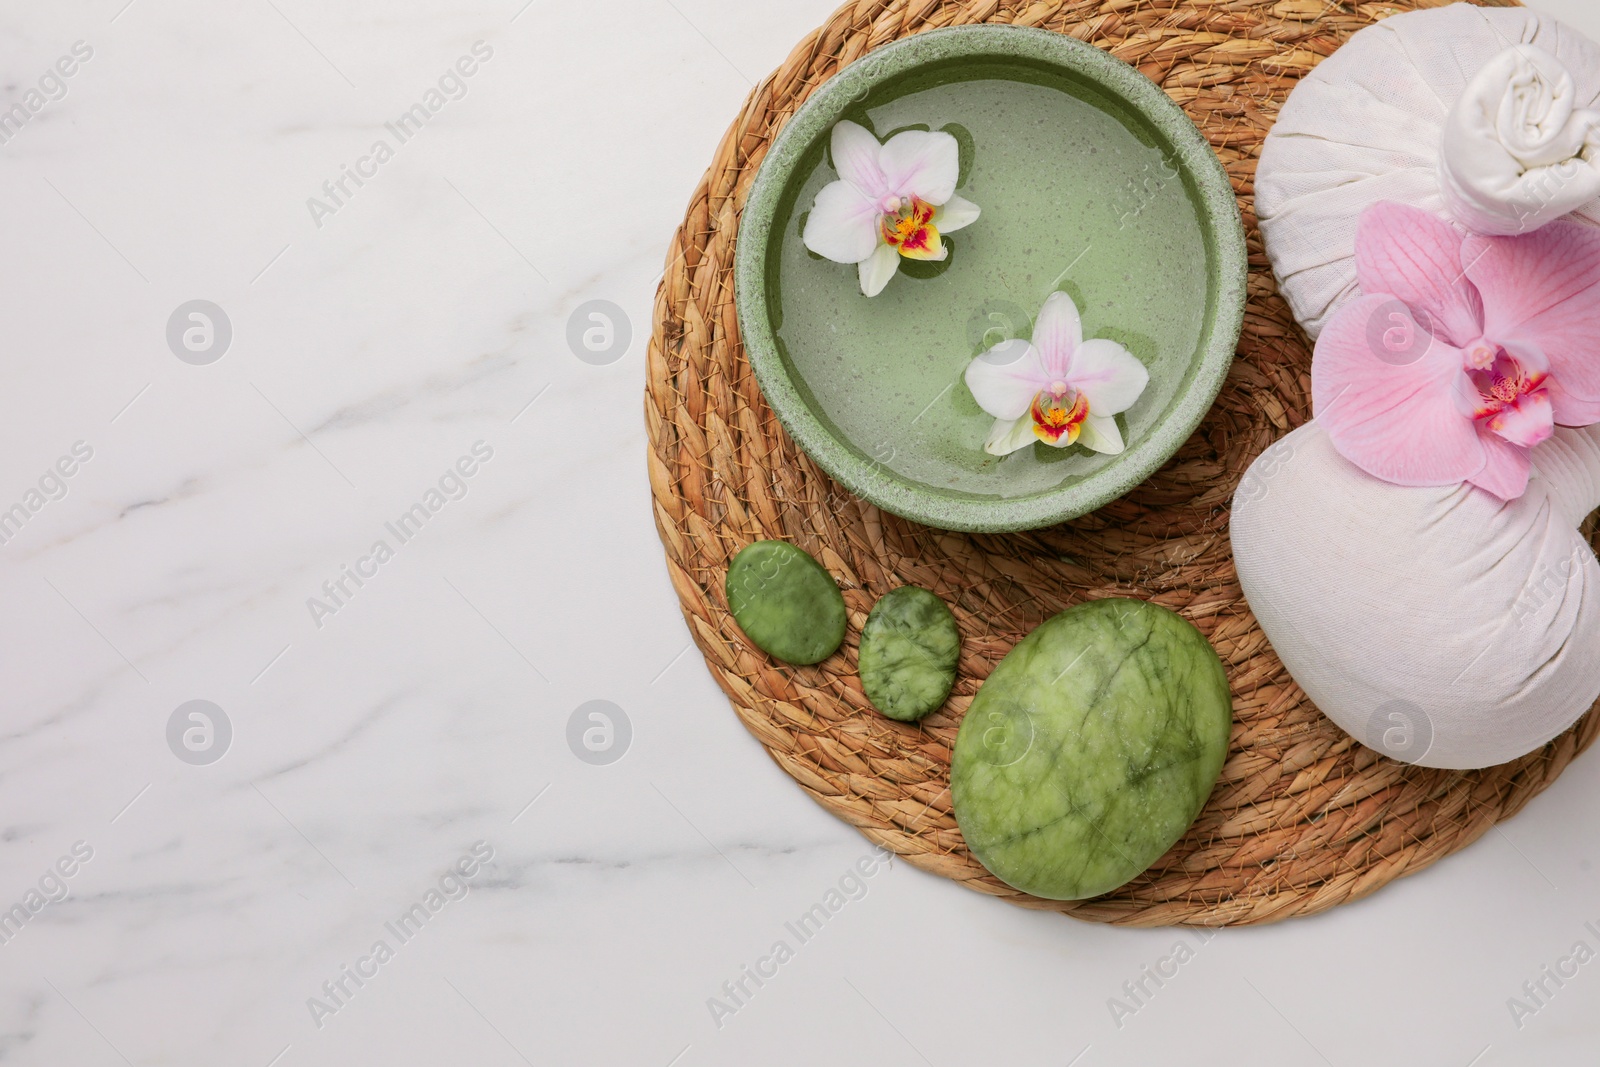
1091	748
785	602
909	649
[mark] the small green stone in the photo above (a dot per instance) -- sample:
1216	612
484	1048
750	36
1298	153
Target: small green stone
909	649
785	602
1091	748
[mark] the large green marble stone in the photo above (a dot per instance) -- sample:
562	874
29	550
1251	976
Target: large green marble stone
1091	748
785	602
909	649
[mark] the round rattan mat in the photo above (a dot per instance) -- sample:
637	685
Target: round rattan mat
1303	818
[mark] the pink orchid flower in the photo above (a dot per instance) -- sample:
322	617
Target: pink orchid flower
1463	352
1058	388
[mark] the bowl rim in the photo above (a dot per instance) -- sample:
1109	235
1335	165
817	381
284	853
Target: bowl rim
926	504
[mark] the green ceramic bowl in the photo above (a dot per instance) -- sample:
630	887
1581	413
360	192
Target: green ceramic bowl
1091	181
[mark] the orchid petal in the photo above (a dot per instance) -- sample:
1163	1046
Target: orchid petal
1057	333
857	157
877	269
921	164
1005	379
1100	433
843	224
1402	423
1107	374
1416	257
955	214
1541	294
1008	436
1527	422
1505	469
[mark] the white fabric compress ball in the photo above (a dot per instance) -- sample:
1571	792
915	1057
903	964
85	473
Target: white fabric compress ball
1442	626
1489	116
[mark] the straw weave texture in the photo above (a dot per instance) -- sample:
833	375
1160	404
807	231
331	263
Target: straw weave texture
1304	817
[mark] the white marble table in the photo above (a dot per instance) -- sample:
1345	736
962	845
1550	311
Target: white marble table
406	334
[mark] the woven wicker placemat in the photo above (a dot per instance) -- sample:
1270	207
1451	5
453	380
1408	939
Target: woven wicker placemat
1303	818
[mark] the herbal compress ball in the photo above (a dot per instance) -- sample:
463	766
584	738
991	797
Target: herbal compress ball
1438	625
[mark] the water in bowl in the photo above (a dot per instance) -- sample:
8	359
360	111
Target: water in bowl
1078	194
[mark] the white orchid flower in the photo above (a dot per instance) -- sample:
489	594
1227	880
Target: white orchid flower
1059	389
891	200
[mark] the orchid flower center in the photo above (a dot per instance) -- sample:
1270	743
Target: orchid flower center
1501	380
1059	412
908	228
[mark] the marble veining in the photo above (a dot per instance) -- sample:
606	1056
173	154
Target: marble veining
436	708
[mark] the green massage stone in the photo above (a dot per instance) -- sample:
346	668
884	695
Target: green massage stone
1090	749
909	649
785	602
